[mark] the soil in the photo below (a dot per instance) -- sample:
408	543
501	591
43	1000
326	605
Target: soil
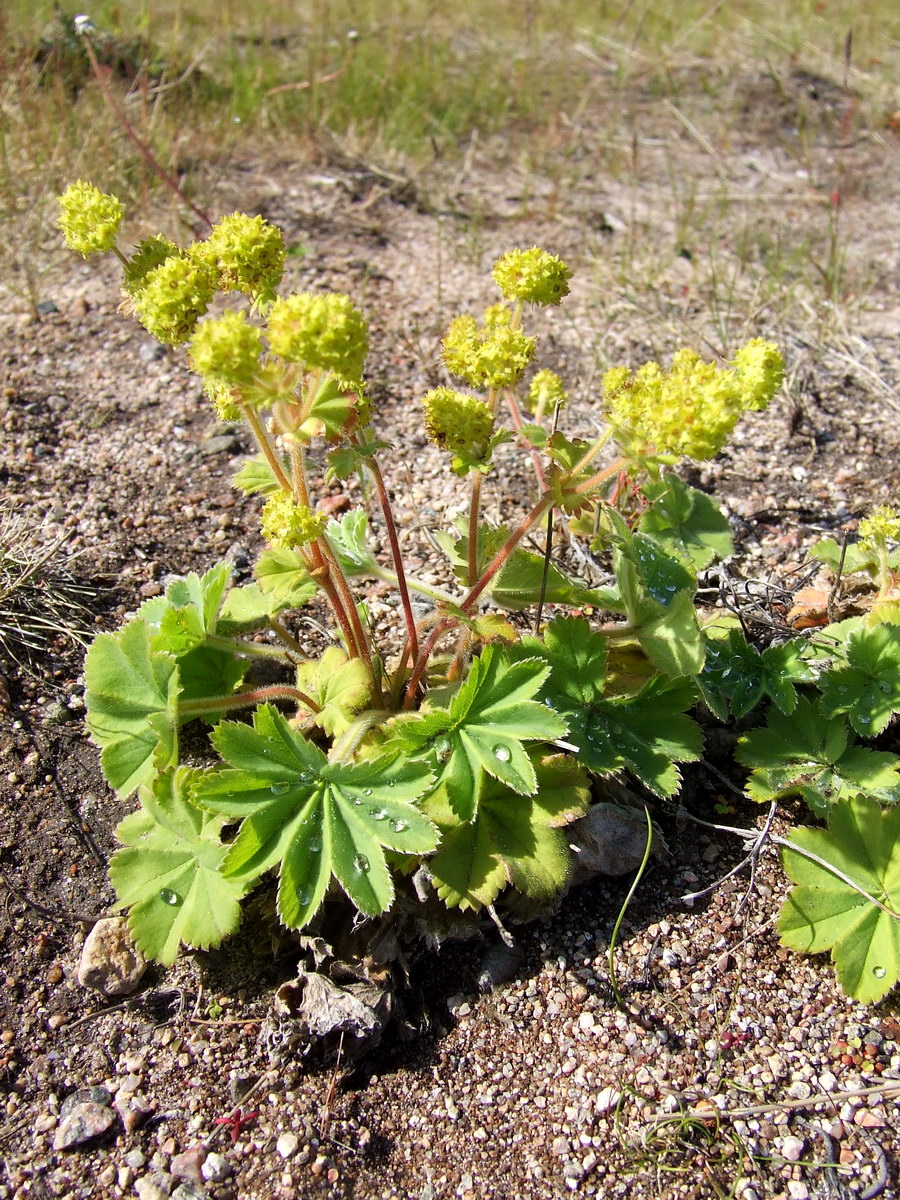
541	1086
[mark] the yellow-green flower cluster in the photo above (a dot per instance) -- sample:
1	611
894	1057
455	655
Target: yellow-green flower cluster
225	350
89	218
692	408
247	254
533	276
493	356
285	523
320	331
760	369
881	526
149	254
458	422
545	391
174	297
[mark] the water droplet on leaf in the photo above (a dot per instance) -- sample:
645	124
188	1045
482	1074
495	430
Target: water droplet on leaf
399	826
315	843
360	863
169	897
502	754
879	972
379	814
367	791
279	789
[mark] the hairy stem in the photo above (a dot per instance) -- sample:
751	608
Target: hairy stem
396	556
196	708
262	440
246	649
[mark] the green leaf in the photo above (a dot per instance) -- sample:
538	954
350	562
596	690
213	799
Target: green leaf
313	818
823	912
815	757
857	557
168	875
489	718
686	522
512	838
341	686
347	538
867	685
181	622
518	584
657	591
646	734
131	697
246	608
282	573
577	656
736	676
347	460
256	476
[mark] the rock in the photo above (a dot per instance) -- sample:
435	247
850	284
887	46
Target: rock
606	1100
110	961
93	1095
499	965
215	1168
609	840
189	1191
82	1123
188	1164
225	443
154	1187
792	1148
151	352
287	1144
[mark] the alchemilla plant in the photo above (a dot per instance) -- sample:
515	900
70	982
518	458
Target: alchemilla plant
448	768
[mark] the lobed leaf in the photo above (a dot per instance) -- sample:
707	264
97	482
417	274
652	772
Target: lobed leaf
483	731
686	522
312	818
866	686
824	912
511	839
131	696
804	754
736	676
168	874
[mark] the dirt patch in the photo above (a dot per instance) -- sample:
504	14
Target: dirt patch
542	1087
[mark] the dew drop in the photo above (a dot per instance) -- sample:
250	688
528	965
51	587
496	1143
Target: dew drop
360	863
390	782
379	814
357	802
399	826
502	754
879	972
305	898
279	789
367	791
315	843
169	897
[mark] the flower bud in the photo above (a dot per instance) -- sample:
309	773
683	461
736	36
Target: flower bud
149	254
89	218
291	525
533	276
247	254
325	331
225	350
492	356
458	422
174	297
760	370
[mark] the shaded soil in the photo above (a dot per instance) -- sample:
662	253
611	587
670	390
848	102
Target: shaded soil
542	1087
